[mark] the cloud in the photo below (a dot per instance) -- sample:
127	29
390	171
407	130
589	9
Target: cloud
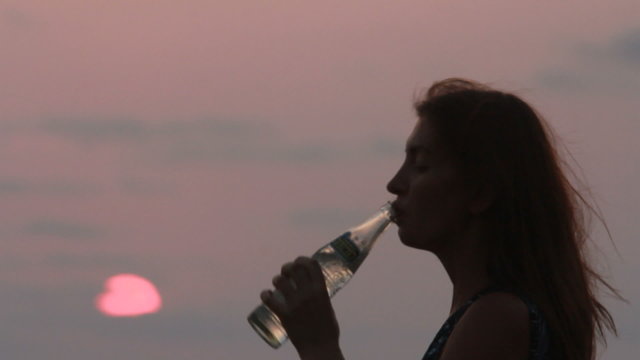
62	229
612	67
98	130
73	265
274	148
145	187
626	46
65	262
269	151
20	186
621	50
385	147
205	141
15	18
562	79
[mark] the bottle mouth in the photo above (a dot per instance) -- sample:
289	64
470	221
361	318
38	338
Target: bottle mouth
389	211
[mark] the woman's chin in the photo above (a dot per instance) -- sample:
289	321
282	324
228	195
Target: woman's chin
415	242
404	237
401	234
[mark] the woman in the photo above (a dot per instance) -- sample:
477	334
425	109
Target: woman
482	188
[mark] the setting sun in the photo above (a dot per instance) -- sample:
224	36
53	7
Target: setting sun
128	295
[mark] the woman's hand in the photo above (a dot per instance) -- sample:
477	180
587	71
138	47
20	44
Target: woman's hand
302	303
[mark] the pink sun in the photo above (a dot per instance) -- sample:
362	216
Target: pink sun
128	295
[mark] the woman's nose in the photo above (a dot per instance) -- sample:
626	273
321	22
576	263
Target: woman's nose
395	184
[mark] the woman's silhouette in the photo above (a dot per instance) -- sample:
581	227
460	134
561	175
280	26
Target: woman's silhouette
482	188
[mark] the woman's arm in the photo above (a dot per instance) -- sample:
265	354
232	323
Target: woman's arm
304	308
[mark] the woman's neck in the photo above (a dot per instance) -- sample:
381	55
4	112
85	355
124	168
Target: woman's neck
466	265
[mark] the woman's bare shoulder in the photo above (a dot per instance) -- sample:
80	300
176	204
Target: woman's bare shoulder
495	326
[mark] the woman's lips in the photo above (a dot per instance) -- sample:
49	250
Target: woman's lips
397	214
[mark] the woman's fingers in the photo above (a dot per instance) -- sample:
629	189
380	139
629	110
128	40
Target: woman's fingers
285	285
298	273
314	271
298	282
276	302
302	304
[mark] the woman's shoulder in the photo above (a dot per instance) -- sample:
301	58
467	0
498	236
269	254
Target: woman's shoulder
485	323
495	326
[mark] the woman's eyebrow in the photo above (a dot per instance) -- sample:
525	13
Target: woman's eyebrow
413	148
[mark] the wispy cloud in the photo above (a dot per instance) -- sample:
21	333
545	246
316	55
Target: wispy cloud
62	229
22	186
275	149
207	141
145	186
385	146
626	46
264	151
97	130
70	262
612	67
16	18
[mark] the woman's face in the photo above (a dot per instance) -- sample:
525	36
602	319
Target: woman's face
431	205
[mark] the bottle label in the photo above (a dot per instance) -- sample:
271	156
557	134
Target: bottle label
345	247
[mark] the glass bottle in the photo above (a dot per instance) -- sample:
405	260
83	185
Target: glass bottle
339	260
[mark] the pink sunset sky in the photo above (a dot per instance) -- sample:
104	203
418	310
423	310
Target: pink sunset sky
203	144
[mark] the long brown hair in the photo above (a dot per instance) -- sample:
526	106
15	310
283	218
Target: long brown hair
538	216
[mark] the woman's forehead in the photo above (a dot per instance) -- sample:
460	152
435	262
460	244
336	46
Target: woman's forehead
422	137
425	140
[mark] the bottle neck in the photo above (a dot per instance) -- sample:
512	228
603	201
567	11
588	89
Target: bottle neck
366	234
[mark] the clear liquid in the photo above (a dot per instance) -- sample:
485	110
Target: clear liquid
337	272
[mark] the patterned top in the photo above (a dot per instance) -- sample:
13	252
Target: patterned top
538	332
